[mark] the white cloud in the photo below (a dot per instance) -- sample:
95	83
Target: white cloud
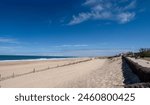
94	52
98	7
74	45
125	17
8	50
112	10
81	18
86	16
131	5
91	2
7	40
102	15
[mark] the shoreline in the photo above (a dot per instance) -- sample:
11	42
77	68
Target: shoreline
7	58
42	59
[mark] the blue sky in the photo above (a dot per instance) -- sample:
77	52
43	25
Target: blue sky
73	27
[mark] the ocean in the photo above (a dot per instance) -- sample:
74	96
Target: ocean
27	57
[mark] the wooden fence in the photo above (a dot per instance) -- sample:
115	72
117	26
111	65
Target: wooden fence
45	69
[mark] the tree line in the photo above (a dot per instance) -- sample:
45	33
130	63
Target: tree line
143	52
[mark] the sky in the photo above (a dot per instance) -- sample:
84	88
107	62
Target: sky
73	27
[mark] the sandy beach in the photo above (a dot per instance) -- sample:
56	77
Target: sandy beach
66	73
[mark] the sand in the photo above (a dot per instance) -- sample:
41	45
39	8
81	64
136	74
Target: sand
94	73
19	67
109	75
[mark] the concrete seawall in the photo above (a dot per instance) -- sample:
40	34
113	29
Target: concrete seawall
142	72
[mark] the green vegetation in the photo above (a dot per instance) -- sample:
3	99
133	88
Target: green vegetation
144	52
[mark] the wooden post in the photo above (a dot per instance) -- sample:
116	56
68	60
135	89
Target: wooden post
34	70
0	77
13	75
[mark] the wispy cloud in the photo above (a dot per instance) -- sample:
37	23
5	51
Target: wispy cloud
121	11
94	52
8	50
125	17
7	40
73	45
